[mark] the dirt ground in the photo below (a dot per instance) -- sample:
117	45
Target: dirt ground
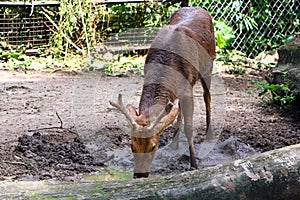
61	126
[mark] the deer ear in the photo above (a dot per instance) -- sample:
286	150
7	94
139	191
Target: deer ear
132	110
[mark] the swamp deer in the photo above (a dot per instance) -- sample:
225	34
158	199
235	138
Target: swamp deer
181	53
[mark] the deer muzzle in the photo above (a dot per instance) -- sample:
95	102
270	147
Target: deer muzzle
142	164
141	175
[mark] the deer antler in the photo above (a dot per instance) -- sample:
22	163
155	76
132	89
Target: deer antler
122	108
163	113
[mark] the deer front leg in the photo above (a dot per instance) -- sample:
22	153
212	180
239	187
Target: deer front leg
175	139
187	111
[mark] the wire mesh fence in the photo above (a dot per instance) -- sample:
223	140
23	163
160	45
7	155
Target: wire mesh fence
133	24
23	28
134	39
258	25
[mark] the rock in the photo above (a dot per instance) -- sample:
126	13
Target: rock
267	58
288	67
289	53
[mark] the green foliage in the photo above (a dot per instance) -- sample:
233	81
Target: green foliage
17	61
264	24
76	27
236	70
10	60
125	66
82	24
224	35
237	13
234	61
8	55
136	15
276	93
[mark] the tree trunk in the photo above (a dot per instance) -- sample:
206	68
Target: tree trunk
270	175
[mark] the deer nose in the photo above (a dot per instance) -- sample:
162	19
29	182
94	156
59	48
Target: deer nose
141	175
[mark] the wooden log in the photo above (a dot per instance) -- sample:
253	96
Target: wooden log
270	175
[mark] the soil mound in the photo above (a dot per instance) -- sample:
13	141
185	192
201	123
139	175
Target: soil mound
55	155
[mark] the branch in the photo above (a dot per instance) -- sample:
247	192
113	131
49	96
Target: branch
61	122
62	33
55	127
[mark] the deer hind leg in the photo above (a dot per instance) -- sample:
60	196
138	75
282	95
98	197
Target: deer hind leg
187	106
205	82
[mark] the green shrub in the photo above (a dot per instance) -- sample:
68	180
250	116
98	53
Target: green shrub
125	66
276	93
80	25
260	25
224	35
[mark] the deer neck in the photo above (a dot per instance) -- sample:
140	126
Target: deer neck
154	98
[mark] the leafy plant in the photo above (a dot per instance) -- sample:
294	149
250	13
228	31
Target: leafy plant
276	93
19	61
236	70
224	34
75	26
125	66
136	15
260	25
234	60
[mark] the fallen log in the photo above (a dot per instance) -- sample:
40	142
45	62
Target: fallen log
270	175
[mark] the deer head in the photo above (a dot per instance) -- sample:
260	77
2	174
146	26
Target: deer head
145	133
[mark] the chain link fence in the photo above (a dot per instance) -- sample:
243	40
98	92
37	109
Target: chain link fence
133	24
258	25
23	27
253	26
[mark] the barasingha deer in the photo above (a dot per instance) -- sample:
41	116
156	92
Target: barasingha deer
181	53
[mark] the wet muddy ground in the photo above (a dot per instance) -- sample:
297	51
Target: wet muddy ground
61	126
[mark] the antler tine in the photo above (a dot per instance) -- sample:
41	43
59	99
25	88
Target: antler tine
123	110
163	113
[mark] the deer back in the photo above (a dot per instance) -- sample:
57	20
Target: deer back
199	23
180	54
